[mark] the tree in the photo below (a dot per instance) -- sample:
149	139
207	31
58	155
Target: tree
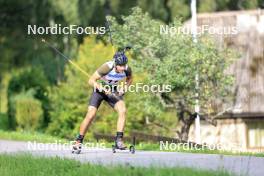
173	59
18	49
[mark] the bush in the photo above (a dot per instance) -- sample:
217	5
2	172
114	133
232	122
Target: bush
3	121
30	81
29	114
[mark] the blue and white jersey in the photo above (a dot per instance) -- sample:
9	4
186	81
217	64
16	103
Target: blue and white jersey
109	74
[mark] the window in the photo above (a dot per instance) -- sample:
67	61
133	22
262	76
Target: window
255	134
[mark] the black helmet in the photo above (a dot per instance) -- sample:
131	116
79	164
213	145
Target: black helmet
120	58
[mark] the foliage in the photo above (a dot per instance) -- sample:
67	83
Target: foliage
33	82
29	113
18	49
3	121
175	60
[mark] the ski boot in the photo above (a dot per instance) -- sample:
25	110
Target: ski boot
119	144
77	146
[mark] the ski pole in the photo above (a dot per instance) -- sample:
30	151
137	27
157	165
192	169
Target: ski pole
66	58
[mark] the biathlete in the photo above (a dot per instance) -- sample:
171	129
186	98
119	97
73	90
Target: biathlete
107	75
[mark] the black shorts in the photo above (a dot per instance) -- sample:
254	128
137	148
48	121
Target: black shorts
97	98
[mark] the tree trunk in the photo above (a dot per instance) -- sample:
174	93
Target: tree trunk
186	119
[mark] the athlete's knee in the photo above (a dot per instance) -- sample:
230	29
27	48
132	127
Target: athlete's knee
122	110
91	112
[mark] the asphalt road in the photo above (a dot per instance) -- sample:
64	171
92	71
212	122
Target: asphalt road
239	165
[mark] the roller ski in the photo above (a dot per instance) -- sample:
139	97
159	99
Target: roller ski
119	145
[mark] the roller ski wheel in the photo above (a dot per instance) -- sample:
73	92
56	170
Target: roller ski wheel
113	148
132	149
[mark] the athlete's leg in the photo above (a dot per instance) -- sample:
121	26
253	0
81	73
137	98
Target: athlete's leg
120	108
94	103
83	128
90	115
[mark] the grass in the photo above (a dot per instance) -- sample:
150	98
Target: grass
29	136
156	147
44	138
24	135
25	164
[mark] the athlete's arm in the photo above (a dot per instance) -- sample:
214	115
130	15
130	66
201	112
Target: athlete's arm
100	72
92	81
129	76
128	79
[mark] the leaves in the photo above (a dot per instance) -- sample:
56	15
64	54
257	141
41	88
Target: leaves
175	59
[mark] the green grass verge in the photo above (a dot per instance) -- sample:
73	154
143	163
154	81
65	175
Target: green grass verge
44	138
24	164
29	136
156	147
